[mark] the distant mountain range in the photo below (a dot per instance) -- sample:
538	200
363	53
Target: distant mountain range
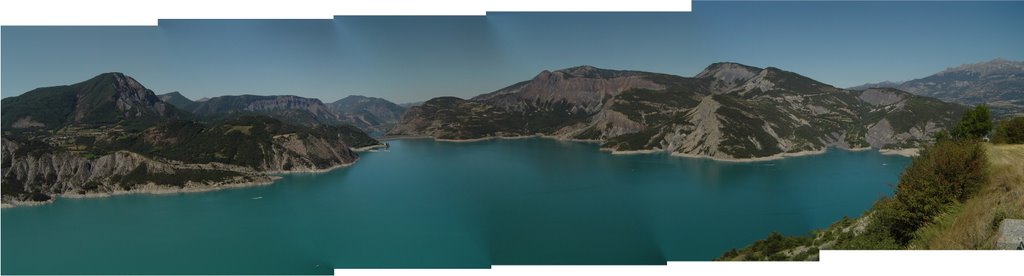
373	115
728	111
110	134
998	83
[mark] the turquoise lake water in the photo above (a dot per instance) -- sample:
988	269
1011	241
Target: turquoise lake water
437	204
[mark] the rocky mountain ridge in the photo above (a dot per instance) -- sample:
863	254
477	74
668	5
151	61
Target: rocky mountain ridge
110	98
998	83
373	115
729	111
111	135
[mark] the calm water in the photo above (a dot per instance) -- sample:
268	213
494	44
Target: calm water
431	204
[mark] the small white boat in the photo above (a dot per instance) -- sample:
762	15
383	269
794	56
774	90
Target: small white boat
258	197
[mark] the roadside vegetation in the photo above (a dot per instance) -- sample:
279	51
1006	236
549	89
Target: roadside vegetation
952	196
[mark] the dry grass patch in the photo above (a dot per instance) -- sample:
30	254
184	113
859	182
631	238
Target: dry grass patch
247	130
974	223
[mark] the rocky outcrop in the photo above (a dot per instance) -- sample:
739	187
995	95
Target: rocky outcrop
901	120
38	177
291	152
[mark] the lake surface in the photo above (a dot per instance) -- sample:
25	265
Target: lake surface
438	204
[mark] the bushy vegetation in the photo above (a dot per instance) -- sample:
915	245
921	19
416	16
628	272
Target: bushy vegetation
946	173
771	248
918	110
92	100
1009	131
649	106
546	117
226	142
974	223
975	124
644	139
931	197
50	106
463	119
178	178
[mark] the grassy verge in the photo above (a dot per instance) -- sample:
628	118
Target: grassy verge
935	207
974	223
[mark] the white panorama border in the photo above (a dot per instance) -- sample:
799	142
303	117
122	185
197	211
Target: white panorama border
833	263
147	12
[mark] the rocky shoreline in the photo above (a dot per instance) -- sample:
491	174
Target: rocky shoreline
268	178
902	152
558	138
368	148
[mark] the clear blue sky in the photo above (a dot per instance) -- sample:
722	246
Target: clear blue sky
407	59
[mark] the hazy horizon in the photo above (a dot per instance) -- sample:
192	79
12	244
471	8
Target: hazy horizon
412	59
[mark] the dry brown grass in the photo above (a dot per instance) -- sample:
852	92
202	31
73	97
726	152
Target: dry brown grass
974	223
247	130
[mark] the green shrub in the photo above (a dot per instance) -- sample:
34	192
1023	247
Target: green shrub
770	248
975	124
874	237
1009	131
945	173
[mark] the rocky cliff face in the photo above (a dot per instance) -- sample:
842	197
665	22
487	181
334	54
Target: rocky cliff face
39	176
898	119
728	111
206	162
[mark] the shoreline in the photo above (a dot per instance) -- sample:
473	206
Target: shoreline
148	189
311	171
911	152
543	136
902	152
403	137
721	159
774	157
487	138
273	176
368	148
270	177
